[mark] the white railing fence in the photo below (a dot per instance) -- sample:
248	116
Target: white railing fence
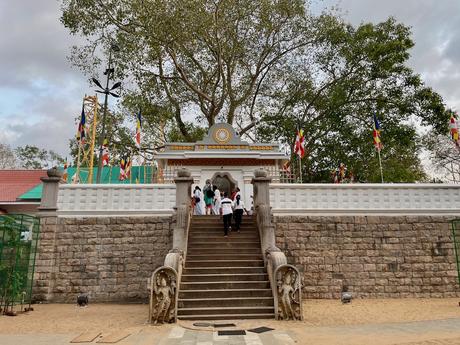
114	199
365	198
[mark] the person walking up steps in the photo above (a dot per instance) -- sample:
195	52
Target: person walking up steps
198	202
227	211
238	211
208	197
217	200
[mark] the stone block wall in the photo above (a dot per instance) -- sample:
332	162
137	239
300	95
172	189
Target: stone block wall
373	256
109	258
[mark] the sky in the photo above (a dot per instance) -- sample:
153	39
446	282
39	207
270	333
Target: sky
41	93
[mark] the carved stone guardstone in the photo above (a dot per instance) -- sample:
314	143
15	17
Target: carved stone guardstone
163	293
288	292
285	279
165	280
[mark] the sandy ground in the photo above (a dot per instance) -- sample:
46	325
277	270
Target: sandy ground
326	321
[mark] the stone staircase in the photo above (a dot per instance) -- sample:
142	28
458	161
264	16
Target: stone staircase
224	278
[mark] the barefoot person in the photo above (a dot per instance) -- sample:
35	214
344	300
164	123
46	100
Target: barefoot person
238	209
227	211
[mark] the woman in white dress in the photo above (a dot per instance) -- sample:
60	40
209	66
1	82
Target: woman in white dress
216	202
199	202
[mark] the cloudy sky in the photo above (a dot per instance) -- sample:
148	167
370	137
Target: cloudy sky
40	93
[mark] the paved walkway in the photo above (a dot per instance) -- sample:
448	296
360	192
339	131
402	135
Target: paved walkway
435	332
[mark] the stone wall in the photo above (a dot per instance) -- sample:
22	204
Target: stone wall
110	258
374	256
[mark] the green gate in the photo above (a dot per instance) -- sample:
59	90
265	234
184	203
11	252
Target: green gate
456	237
18	247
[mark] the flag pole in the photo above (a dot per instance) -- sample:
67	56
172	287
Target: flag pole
380	164
300	169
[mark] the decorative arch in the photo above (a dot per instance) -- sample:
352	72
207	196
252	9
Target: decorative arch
224	181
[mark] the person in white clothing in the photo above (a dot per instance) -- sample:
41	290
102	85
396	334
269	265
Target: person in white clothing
227	211
238	208
217	200
198	201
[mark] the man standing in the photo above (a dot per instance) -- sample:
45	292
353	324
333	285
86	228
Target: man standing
227	212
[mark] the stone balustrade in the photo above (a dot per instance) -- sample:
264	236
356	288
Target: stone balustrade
295	199
119	200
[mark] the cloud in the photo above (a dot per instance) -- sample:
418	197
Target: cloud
40	93
436	55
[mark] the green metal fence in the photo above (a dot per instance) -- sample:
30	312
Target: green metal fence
456	237
18	247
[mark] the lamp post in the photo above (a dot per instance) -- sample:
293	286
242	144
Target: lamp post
106	91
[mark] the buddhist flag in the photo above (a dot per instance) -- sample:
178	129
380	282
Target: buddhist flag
65	174
81	134
376	134
299	146
128	168
105	153
454	130
122	176
138	129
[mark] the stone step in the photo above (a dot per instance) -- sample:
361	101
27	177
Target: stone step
214	217
225	310
220	225
223	263
225	293
224	277
226	302
234	256
223	243
219	237
223	251
214	285
223	270
228	317
231	238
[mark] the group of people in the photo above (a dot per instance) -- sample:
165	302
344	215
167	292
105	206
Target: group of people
212	201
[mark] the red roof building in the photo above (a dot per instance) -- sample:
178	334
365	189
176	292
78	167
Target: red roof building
14	183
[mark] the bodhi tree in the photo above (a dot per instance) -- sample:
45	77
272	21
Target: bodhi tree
206	56
352	74
267	67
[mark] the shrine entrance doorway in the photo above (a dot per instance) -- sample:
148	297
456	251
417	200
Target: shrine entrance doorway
224	182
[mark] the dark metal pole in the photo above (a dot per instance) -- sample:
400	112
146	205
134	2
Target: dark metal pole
102	136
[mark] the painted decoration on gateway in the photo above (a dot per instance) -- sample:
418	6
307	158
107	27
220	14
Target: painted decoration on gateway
222	135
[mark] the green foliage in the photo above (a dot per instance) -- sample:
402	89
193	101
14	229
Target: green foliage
32	157
354	73
268	67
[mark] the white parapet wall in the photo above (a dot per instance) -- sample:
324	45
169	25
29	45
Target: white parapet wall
357	198
116	199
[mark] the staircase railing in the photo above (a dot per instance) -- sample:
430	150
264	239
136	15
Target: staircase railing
165	280
285	279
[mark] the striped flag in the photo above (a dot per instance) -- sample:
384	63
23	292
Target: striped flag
65	174
299	146
376	134
128	168
138	129
454	130
81	134
122	176
105	153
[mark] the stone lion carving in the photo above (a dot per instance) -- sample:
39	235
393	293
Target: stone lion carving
289	293
163	295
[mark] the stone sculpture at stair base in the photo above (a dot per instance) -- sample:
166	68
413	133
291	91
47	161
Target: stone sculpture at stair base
284	279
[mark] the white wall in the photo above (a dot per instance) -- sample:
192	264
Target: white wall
116	199
365	198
